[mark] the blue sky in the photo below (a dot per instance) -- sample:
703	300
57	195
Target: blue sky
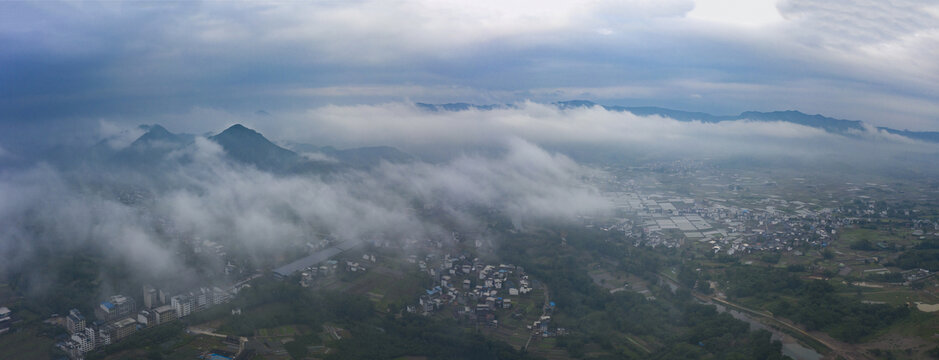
77	62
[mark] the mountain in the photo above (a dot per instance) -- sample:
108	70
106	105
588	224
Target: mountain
832	125
674	114
930	136
250	147
159	141
790	116
157	135
151	148
818	121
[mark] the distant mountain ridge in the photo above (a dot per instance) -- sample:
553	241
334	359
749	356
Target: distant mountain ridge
832	125
243	145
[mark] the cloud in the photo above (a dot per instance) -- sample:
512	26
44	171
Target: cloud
740	13
144	222
414	129
318	157
117	136
44	213
146	59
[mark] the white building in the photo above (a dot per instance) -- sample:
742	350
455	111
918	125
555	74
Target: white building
84	340
182	304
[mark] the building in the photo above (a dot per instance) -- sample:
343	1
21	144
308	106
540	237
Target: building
74	322
122	328
145	318
5	314
72	349
5	319
103	337
201	300
161	295
220	296
84	342
117	307
183	304
150	297
164	314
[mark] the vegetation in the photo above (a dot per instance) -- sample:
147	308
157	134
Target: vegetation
674	324
814	304
925	256
148	339
413	335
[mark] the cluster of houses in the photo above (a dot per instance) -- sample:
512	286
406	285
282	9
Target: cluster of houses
118	317
771	225
542	327
308	276
477	289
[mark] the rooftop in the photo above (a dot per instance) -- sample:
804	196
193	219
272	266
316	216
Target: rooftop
315	258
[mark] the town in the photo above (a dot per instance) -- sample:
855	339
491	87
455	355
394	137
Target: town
119	316
827	233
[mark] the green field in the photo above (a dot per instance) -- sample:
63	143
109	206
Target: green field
25	345
899	296
850	235
287	330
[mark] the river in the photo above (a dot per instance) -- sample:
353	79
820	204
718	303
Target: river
790	346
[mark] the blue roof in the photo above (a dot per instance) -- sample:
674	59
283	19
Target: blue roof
552	304
108	304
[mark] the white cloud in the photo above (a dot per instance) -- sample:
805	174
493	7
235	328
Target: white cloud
737	12
642	52
116	135
407	126
260	215
318	157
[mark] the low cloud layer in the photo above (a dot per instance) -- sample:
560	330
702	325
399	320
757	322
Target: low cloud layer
418	130
145	223
146	220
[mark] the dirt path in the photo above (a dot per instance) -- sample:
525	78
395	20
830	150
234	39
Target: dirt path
544	310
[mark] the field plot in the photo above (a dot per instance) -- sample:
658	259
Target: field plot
25	345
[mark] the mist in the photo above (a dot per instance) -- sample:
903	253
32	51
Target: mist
433	135
147	222
508	161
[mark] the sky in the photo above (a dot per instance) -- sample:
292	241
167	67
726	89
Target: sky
66	65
